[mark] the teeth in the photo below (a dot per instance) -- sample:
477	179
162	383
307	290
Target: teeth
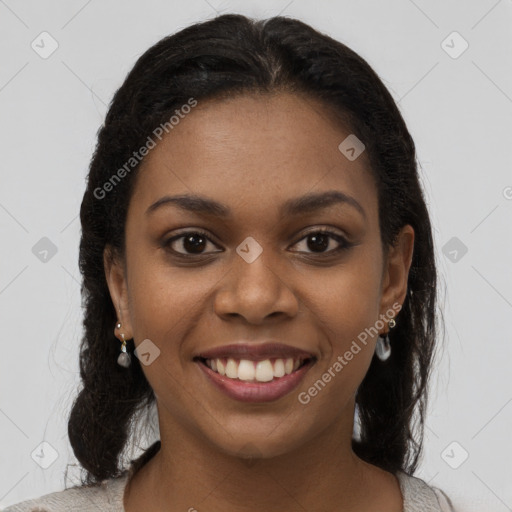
255	371
264	371
279	368
246	370
231	369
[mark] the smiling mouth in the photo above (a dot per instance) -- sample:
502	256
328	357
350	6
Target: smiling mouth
250	371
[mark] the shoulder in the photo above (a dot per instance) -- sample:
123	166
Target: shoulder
107	497
420	497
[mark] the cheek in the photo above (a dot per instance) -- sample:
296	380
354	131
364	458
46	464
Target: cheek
345	320
164	299
346	306
350	313
347	300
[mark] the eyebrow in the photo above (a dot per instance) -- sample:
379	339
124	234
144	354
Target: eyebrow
301	205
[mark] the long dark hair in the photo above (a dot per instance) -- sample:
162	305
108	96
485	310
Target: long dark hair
227	56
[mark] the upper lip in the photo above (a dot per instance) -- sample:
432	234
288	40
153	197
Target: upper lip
254	352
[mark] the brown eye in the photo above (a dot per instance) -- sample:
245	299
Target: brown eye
318	242
321	241
189	243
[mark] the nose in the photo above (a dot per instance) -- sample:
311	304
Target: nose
255	291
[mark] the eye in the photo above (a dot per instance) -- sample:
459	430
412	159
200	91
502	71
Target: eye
190	242
321	241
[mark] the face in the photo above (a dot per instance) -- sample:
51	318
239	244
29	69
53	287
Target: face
258	271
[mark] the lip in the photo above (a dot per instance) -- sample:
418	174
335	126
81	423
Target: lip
257	392
254	352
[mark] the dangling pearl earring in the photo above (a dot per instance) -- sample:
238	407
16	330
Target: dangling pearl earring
383	347
124	358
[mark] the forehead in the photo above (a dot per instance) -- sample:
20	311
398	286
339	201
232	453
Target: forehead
255	149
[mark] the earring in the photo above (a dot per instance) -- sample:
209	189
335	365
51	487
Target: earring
124	358
383	347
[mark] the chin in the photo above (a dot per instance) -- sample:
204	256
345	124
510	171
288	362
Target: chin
257	442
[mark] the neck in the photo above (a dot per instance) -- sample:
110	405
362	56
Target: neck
188	473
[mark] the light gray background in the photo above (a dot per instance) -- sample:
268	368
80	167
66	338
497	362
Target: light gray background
458	110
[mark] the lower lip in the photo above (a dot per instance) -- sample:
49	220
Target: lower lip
257	392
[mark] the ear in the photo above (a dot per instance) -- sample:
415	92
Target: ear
396	270
115	274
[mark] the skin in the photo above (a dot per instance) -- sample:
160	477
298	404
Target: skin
252	153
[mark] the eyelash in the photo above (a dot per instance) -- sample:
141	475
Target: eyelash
344	244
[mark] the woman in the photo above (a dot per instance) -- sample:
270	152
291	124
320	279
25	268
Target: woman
258	262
